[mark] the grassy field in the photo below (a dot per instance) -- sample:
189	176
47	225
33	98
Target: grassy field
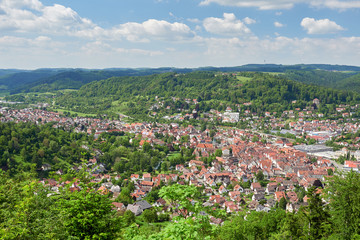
174	155
243	79
275	73
119	107
72	112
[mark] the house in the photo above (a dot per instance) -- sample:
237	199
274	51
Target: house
216	221
46	167
103	190
258	197
261	208
195	163
115	189
279	196
160	203
231	206
138	207
234	194
238	188
271	188
134	177
222	189
118	206
135	209
147	177
255	185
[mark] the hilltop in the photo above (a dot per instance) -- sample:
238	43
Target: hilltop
257	92
43	80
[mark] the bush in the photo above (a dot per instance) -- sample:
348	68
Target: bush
163	217
150	215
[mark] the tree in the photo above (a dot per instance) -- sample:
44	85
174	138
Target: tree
87	214
129	217
282	203
218	152
317	216
260	176
150	215
344	196
179	194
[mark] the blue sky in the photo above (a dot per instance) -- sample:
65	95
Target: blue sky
177	33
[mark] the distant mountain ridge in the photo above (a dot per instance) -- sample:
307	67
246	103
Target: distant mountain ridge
47	79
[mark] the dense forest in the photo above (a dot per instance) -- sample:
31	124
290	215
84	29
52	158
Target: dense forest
44	80
26	147
337	80
265	92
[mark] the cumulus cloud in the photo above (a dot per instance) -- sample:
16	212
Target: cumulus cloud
322	26
248	20
153	29
260	4
229	25
336	4
21	4
237	51
193	20
30	16
278	24
99	47
285	4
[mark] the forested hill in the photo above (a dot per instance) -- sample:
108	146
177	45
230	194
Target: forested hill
338	80
70	79
352	83
266	92
10	79
43	80
206	86
74	79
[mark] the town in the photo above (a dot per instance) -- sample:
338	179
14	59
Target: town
248	167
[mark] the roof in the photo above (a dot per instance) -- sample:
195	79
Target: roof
143	205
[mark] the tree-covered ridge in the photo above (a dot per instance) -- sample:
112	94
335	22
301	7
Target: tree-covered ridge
26	147
318	77
265	92
65	80
43	80
349	81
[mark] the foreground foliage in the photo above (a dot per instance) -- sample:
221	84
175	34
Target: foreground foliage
28	211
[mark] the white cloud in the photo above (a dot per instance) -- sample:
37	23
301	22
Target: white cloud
285	4
260	4
228	25
249	21
282	50
31	17
278	24
194	20
153	29
99	47
21	4
336	4
322	26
